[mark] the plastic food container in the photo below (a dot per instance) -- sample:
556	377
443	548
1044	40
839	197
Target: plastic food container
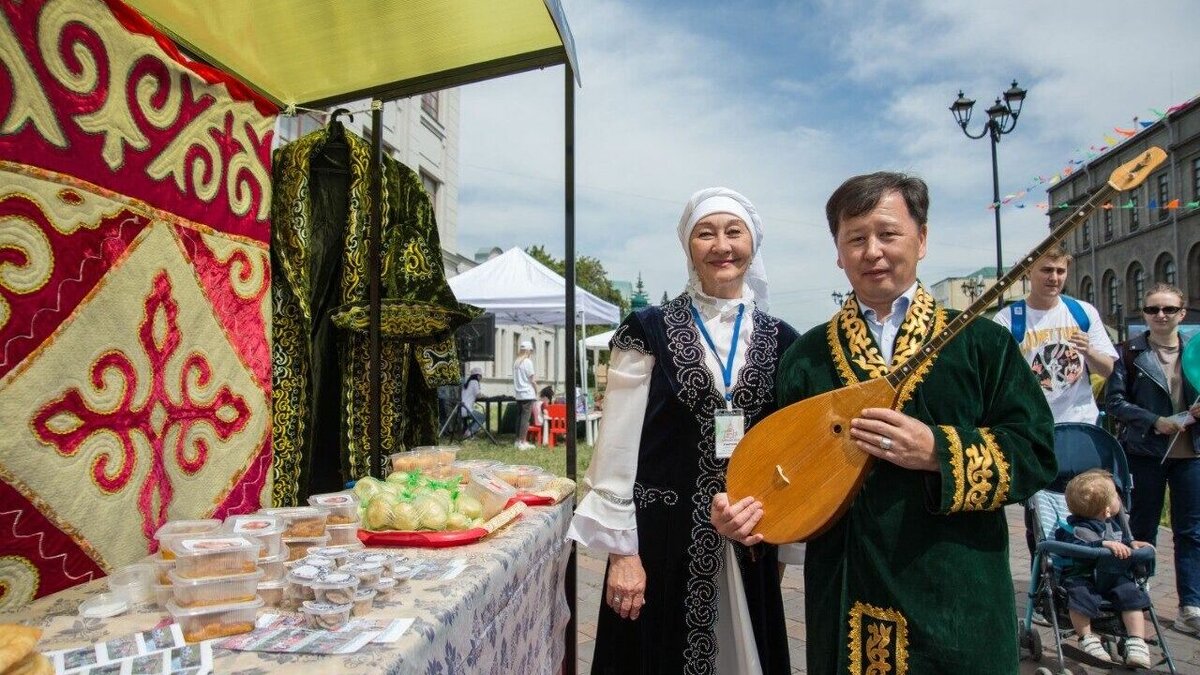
214	621
103	606
134	582
215	590
301	521
372	557
368	573
162	594
464	467
342	507
174	530
385	588
163	566
324	616
300	581
263	528
493	494
320	562
340	535
422	459
519	476
215	557
363	600
338	554
274	567
298	548
336	588
272	592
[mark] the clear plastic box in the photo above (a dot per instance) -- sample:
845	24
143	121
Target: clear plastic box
464	467
162	594
520	476
300	580
215	590
340	535
263	528
134	582
371	557
492	492
301	521
274	567
385	588
368	573
364	599
163	566
214	621
324	616
422	459
342	507
215	557
174	530
298	547
271	592
318	561
336	588
338	554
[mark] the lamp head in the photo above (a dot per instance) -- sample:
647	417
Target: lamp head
962	109
1014	97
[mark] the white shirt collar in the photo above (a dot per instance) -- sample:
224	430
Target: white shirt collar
899	305
726	308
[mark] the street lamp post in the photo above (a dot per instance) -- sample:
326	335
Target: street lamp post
1002	119
973	287
838	298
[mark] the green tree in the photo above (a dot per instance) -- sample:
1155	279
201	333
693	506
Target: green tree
590	275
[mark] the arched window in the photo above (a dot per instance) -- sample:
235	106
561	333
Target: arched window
1164	269
1135	285
1087	291
1111	286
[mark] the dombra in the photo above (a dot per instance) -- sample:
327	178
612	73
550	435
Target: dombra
801	462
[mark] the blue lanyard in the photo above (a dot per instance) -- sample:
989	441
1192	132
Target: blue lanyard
727	367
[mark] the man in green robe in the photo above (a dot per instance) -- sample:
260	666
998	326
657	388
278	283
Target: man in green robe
914	577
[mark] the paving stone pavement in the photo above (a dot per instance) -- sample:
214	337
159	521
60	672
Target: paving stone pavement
1184	649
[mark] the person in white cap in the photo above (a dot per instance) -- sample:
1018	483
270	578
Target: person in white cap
684	382
525	391
472	419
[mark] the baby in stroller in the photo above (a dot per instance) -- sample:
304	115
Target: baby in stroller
1095	505
1077	576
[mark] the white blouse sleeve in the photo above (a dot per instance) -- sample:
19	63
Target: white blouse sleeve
605	519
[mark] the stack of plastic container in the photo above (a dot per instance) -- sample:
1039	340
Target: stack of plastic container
214	585
267	530
343	523
303	528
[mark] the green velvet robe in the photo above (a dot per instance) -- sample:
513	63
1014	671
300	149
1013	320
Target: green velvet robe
915	575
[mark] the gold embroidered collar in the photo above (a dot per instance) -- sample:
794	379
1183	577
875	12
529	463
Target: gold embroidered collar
855	352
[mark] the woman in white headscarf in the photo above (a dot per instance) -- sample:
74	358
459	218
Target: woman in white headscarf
684	381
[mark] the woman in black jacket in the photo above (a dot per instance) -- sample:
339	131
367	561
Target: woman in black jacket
1156	407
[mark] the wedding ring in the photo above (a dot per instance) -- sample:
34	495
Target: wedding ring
885	442
618	599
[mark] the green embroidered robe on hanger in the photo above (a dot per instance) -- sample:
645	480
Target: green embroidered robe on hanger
320	290
914	578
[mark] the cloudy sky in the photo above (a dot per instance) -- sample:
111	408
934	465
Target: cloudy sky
784	100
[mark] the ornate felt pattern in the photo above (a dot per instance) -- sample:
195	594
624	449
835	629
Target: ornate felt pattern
134	280
878	641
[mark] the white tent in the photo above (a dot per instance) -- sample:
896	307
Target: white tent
520	290
599	342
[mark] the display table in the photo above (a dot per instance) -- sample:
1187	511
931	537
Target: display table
506	613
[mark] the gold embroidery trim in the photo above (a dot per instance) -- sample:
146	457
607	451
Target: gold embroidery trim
847	313
956	465
918	376
1003	472
886	646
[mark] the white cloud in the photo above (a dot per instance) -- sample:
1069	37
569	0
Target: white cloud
670	104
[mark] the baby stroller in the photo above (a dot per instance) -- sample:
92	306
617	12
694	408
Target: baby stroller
1078	448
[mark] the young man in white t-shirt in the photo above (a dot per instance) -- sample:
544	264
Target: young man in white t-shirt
1063	340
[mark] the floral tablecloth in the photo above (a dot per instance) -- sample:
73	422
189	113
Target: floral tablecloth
506	613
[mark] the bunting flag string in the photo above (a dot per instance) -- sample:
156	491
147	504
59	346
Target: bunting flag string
1017	199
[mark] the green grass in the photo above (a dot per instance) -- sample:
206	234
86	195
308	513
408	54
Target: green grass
553	460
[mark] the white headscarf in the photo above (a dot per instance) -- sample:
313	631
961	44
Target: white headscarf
723	200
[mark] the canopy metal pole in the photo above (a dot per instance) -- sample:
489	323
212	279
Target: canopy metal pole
373	269
570	666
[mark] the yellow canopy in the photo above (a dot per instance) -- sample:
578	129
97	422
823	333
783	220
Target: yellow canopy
321	52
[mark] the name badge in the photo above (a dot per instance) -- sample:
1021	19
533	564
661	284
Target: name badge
729	426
